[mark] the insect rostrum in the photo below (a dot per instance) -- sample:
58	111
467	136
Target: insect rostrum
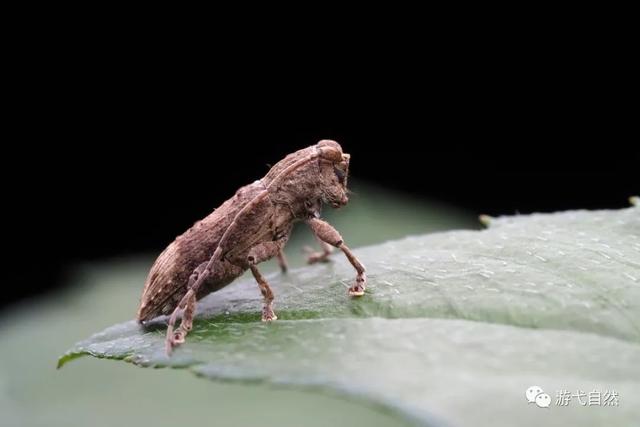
249	228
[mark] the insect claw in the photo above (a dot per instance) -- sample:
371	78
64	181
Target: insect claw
357	289
356	293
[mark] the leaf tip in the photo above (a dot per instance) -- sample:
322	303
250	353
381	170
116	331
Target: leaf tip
62	360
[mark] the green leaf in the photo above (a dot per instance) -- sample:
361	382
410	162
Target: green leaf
454	326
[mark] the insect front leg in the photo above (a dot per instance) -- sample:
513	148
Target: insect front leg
330	235
322	256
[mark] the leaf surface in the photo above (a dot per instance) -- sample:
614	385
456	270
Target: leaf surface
454	325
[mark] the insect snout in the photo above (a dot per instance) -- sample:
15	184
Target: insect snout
339	203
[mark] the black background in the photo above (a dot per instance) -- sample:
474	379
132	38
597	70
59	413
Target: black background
115	161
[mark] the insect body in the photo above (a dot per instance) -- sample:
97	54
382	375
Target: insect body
251	227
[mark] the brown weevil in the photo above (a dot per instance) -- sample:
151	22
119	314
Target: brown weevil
251	227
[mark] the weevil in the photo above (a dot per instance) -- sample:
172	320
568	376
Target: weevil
251	227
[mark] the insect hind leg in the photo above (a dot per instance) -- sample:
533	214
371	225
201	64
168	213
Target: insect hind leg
188	304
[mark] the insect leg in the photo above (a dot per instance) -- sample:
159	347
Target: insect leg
267	309
322	256
188	304
328	234
257	254
282	261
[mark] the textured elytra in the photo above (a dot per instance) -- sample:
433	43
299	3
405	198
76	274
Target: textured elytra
451	324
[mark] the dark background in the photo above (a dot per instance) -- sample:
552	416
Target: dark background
117	163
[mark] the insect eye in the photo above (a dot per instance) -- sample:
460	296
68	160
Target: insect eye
340	174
